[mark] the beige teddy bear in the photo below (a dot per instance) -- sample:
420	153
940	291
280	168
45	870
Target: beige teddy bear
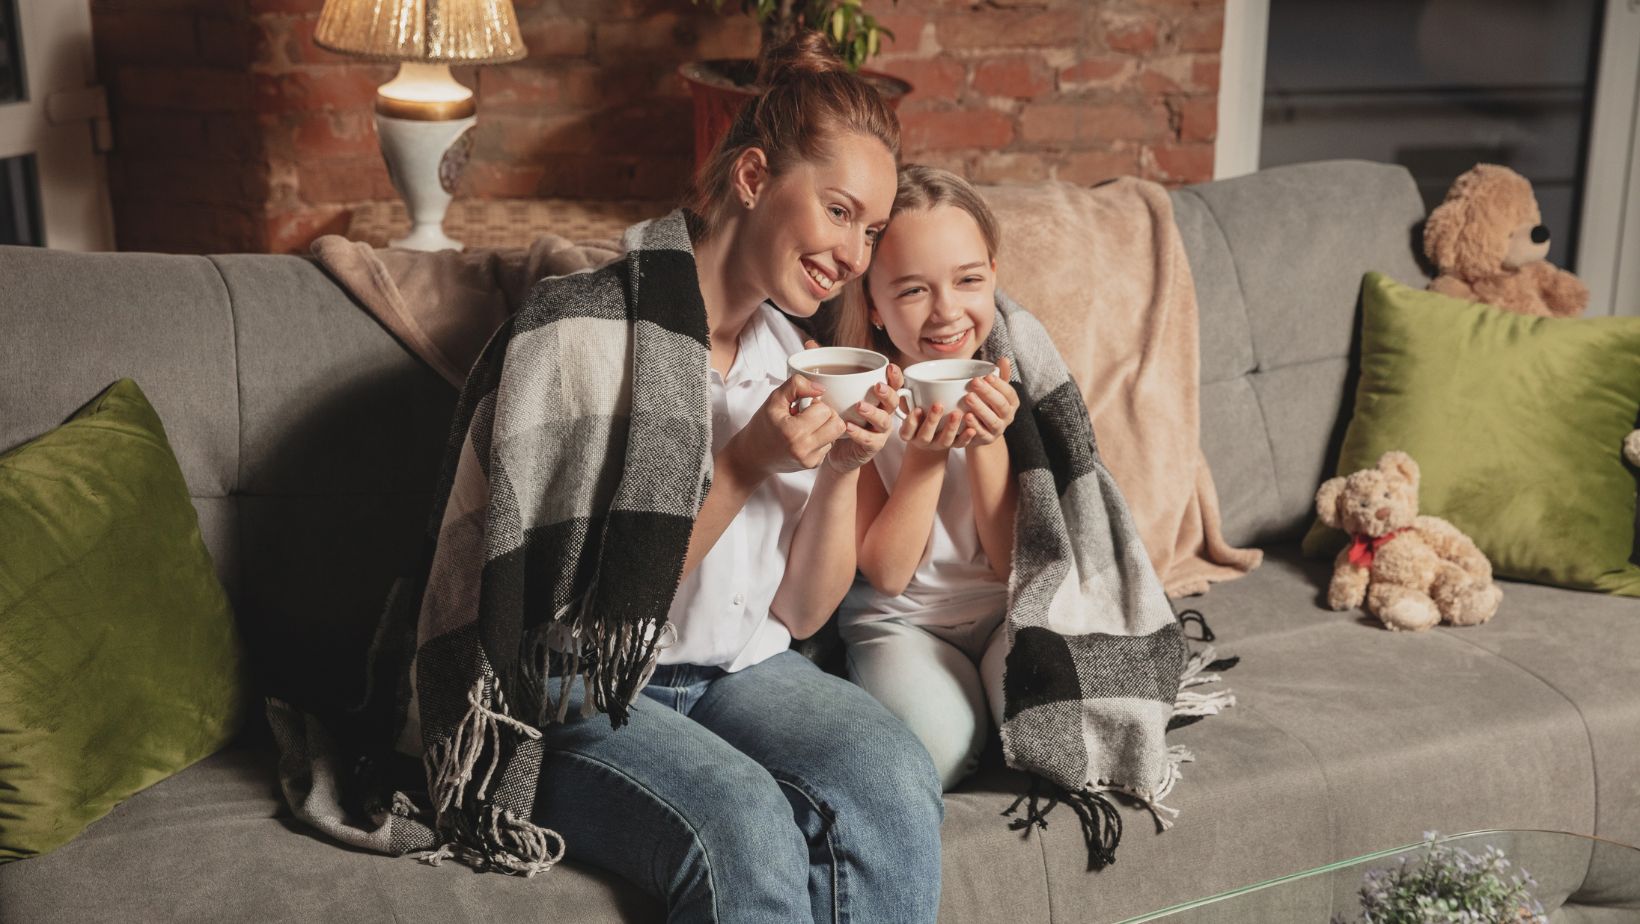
1410	571
1489	242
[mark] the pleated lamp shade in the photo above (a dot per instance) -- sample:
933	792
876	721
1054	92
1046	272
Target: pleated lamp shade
449	31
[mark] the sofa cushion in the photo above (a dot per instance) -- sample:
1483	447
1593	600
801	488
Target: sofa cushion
1517	425
70	323
119	663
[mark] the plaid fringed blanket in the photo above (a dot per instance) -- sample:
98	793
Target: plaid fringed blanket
1097	664
578	456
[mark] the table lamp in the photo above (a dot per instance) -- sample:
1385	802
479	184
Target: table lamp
424	118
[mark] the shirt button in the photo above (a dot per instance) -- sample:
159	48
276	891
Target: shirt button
739	600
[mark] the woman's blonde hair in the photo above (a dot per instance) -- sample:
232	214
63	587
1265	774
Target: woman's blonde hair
920	187
809	98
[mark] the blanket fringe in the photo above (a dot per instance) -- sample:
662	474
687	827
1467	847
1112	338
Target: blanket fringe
510	845
1101	823
1196	673
451	763
563	639
504	841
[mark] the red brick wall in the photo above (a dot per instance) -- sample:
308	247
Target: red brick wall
234	132
1017	91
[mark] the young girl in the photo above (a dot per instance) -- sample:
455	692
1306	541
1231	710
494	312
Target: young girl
935	510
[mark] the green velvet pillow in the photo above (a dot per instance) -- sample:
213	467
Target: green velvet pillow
1517	424
119	661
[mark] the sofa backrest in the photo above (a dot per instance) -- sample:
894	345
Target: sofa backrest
311	440
1277	258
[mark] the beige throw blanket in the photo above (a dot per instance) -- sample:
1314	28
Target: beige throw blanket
457	299
1105	271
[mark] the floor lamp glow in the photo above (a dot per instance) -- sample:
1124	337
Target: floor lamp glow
424	118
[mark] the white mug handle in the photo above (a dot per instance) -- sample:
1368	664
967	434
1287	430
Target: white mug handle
909	401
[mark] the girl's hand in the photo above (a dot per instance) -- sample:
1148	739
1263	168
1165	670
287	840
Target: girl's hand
933	430
779	438
990	405
859	444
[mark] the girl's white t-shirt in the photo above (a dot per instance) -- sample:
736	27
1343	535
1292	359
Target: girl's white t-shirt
721	610
954	584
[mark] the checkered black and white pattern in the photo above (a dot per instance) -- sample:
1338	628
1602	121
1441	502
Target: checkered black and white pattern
1096	654
578	456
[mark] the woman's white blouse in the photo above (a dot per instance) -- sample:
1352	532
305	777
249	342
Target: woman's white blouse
721	611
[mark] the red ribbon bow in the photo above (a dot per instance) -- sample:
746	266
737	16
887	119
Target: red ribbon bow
1363	548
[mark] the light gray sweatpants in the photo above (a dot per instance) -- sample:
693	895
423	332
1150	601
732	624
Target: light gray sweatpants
945	683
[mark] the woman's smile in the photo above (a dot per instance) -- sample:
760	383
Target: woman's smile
823	280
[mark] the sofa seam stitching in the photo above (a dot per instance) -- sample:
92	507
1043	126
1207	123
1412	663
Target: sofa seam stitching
239	438
1258	362
1320	768
238	389
1588	736
1241	288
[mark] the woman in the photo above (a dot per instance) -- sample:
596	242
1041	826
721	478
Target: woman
748	785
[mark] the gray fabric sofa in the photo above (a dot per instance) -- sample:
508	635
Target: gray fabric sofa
310	440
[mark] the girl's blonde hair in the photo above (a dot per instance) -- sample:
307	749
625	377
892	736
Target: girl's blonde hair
809	98
920	187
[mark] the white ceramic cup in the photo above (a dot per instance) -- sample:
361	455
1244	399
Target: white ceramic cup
825	367
942	382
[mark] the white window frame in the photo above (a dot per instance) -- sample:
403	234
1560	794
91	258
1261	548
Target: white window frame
62	123
1608	257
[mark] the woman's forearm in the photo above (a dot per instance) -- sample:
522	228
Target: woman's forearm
820	563
996	496
732	485
894	544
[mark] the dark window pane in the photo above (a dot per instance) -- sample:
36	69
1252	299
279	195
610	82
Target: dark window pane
1438	86
11	53
20	202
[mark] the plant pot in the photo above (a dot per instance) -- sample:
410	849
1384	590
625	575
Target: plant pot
722	86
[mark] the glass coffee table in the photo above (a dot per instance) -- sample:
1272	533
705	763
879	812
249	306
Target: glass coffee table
1584	871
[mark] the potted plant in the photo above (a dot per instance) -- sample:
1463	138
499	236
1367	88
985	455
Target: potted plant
1449	884
721	86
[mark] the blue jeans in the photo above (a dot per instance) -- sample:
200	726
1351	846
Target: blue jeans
777	793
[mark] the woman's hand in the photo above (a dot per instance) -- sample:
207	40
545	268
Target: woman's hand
780	438
990	405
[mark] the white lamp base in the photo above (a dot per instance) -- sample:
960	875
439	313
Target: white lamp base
424	160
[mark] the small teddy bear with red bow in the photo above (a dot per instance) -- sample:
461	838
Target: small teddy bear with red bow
1410	571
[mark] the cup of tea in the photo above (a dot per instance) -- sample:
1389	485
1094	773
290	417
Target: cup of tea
847	374
942	382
